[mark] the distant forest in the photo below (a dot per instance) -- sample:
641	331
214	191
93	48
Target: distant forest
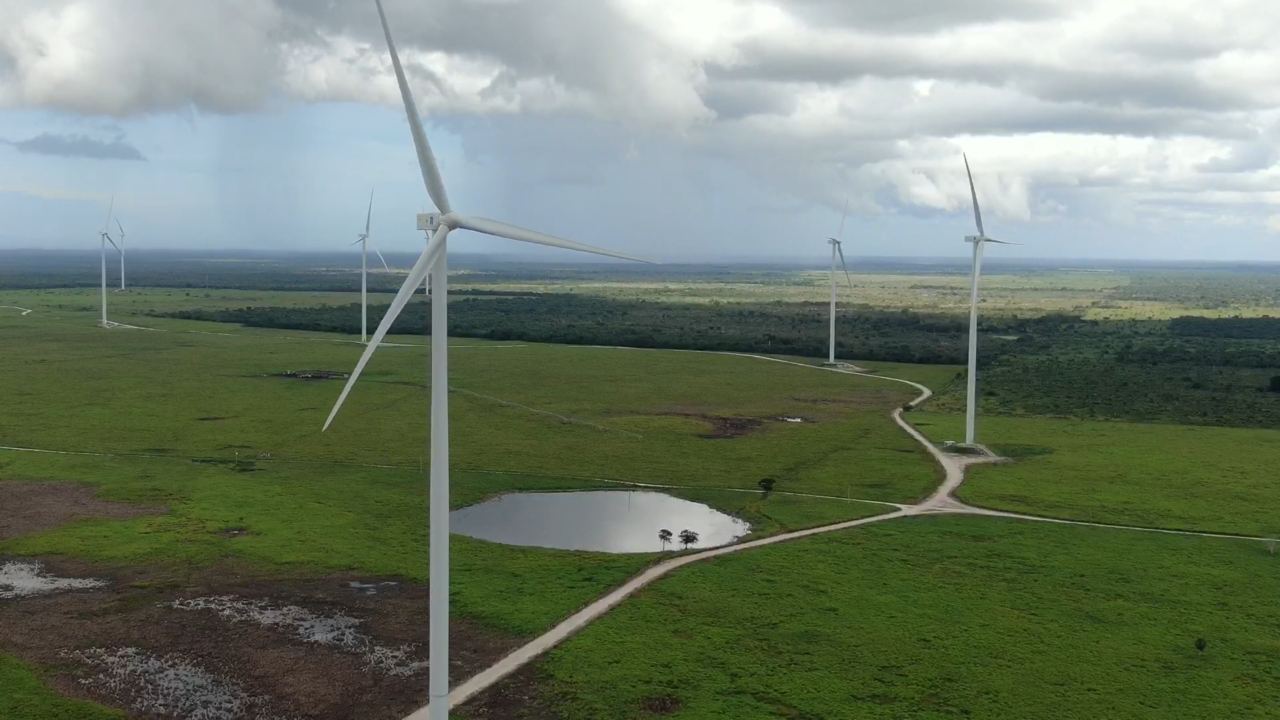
1187	370
782	328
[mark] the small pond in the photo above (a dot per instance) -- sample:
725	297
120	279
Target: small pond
604	521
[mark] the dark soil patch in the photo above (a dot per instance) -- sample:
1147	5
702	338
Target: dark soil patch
313	374
661	704
30	507
211	418
298	679
231	464
519	696
526	694
723	427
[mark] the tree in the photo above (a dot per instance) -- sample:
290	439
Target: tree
1275	384
766	485
664	537
688	537
1201	644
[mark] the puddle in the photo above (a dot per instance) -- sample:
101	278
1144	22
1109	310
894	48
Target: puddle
371	588
313	374
604	521
337	630
787	419
169	686
25	579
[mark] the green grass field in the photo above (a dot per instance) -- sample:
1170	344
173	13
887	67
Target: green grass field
1171	476
939	618
924	618
24	696
199	424
538	409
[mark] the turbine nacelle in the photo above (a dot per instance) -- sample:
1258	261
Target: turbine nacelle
431	222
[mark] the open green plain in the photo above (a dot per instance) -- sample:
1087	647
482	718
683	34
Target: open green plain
26	696
201	425
1183	477
921	618
939	618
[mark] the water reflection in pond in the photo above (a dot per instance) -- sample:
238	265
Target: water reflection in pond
604	521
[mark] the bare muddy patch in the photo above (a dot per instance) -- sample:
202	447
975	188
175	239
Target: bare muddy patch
25	578
169	686
336	630
312	375
320	648
723	427
30	507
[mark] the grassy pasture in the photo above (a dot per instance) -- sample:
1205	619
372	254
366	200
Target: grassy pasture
199	425
538	409
937	618
23	695
1171	476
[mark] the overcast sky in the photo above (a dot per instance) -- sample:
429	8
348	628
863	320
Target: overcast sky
681	129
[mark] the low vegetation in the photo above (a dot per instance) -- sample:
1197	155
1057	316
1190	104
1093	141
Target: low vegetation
929	618
25	695
1169	476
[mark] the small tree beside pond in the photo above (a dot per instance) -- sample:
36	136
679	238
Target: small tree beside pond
664	537
688	537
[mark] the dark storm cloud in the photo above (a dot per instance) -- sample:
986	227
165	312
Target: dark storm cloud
79	146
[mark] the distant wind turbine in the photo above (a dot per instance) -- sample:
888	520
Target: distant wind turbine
837	248
434	260
979	240
105	237
120	247
363	241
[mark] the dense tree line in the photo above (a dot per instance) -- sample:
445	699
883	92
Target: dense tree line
782	328
1257	328
1058	364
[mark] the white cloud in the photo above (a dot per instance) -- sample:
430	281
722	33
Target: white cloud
1166	107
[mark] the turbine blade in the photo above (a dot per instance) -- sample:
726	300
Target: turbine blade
411	283
368	215
977	214
385	266
113	242
110	206
840	250
513	232
426	160
999	242
357	241
843	214
121	229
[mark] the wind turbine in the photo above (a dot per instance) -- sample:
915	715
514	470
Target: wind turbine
120	247
363	241
978	241
837	248
434	260
105	237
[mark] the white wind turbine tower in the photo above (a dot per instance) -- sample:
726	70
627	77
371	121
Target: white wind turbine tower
105	237
837	248
120	247
434	260
363	241
979	240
